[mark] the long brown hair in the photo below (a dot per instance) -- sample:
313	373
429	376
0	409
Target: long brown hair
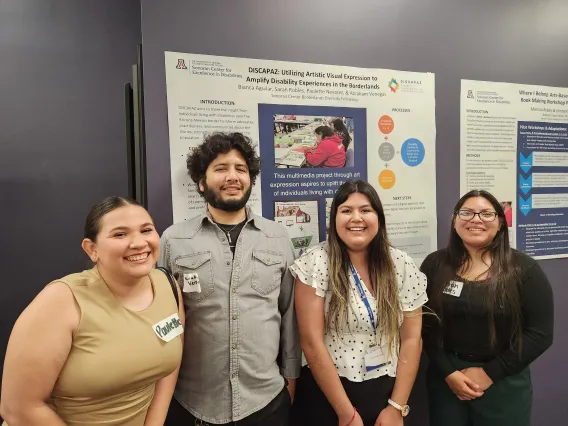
501	287
382	273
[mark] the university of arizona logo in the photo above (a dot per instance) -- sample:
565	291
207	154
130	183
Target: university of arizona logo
181	64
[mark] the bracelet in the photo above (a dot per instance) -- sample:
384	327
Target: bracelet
352	418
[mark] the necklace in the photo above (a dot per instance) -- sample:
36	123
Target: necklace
228	232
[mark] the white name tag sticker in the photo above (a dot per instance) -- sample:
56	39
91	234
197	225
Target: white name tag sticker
374	358
168	328
191	283
454	288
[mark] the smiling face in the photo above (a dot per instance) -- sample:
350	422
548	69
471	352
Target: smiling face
475	232
127	244
356	221
227	182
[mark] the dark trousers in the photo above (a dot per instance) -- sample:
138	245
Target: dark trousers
506	403
276	413
312	408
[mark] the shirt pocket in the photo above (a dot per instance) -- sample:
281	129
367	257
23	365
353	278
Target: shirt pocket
267	269
200	264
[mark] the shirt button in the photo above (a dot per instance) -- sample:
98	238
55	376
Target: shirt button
234	375
228	263
222	239
234	290
234	317
234	347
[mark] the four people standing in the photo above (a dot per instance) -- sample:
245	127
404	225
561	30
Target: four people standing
355	307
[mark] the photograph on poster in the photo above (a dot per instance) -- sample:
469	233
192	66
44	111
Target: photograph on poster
313	141
300	218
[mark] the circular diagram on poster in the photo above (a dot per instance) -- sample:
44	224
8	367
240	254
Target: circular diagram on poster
412	152
386	151
387	179
386	124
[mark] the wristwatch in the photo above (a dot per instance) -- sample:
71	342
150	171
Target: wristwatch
404	409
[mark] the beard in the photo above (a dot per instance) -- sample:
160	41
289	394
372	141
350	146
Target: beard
232	205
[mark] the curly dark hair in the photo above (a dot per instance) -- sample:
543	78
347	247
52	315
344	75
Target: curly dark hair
198	160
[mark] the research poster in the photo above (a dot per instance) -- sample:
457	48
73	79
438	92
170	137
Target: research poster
514	143
389	116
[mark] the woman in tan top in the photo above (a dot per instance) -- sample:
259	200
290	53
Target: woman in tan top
101	347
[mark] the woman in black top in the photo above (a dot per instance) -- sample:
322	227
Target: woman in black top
494	316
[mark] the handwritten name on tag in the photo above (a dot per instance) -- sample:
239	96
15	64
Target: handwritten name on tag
168	328
454	288
191	283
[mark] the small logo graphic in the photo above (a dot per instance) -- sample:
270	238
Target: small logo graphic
470	94
393	85
181	64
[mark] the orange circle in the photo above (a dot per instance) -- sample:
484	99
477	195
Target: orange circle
387	179
386	124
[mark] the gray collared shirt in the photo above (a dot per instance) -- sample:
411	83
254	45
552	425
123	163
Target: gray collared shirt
240	315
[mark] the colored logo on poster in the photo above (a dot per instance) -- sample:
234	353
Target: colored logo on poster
181	64
393	85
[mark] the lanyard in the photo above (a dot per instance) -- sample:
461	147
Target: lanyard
363	296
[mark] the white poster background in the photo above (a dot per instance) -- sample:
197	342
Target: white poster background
213	93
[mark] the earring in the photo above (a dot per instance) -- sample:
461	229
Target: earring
94	258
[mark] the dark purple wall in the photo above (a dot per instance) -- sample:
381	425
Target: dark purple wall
63	65
518	41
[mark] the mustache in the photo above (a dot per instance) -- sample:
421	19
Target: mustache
232	185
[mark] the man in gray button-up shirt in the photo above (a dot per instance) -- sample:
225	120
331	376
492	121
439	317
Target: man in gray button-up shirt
241	337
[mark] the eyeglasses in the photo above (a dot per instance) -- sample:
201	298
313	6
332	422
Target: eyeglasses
486	216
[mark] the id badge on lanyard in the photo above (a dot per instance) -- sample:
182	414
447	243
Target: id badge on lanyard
374	355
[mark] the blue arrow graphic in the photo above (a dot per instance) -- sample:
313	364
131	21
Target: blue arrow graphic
526	162
525	184
525	205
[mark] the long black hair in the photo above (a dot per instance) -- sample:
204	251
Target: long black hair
381	268
501	285
342	131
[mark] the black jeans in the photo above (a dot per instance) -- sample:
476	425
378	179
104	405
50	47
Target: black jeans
311	407
276	413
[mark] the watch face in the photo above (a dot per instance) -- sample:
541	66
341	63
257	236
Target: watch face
405	410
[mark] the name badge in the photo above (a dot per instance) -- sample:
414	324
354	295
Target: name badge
191	283
168	328
374	358
454	288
